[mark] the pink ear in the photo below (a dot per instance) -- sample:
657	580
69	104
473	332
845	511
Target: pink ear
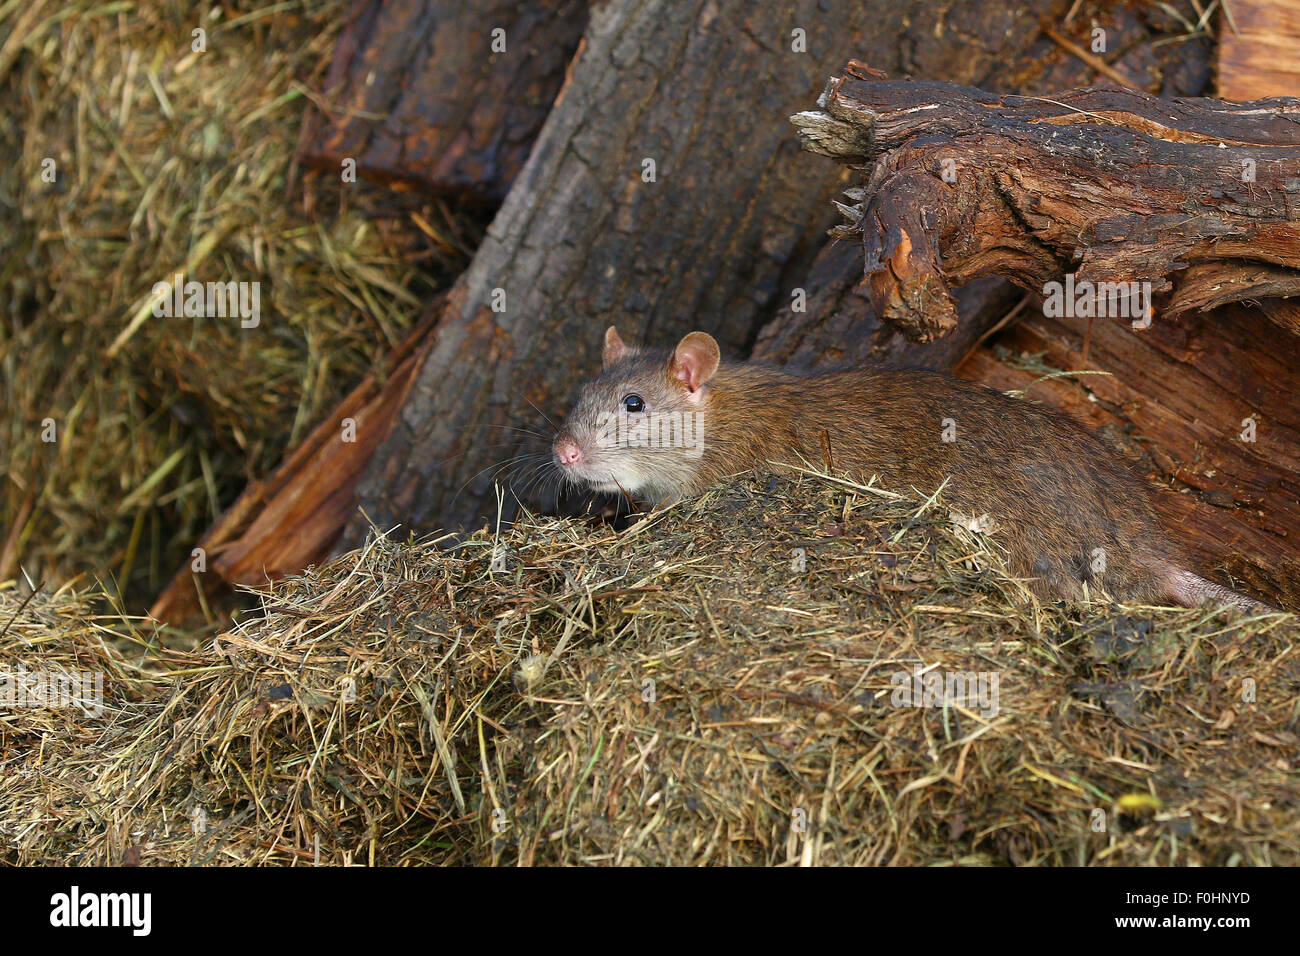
615	348
695	360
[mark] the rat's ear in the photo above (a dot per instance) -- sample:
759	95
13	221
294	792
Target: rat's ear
615	349
695	360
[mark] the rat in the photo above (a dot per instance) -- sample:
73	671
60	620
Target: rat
666	424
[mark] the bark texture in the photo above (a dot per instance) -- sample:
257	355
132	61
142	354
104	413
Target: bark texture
839	325
1259	49
1199	198
416	93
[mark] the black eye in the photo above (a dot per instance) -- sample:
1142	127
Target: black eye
633	403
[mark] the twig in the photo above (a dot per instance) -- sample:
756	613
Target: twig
1094	61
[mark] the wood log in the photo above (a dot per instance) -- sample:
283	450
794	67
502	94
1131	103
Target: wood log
839	326
716	240
1259	49
1197	198
417	95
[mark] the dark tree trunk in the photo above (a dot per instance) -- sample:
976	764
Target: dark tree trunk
417	95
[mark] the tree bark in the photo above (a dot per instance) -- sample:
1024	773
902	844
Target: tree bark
1201	199
840	327
417	95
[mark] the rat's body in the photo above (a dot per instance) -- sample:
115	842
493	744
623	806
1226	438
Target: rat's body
1066	511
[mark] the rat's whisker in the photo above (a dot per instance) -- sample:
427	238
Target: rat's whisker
495	468
540	412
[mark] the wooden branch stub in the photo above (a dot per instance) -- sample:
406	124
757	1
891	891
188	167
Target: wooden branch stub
1198	198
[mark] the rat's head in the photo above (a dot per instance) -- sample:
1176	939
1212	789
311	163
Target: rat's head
639	426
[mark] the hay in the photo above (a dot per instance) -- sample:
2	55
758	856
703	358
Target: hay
170	160
691	690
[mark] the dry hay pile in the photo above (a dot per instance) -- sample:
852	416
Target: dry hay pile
170	160
684	692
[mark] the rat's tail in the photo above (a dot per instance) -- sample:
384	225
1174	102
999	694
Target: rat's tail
1189	590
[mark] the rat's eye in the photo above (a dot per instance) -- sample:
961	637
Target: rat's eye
634	403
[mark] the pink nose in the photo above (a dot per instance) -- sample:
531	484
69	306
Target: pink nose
567	451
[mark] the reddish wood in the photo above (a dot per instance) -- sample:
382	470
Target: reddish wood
1173	405
1259	49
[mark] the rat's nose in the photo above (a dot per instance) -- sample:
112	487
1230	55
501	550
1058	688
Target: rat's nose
567	451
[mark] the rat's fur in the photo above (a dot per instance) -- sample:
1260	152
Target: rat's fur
1066	510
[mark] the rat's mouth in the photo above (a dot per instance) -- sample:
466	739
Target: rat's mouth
581	474
585	464
603	482
607	484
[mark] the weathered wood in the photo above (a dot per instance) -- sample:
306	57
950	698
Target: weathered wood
840	327
1259	49
1195	197
416	94
716	241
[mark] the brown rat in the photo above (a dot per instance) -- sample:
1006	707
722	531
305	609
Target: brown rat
1066	510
